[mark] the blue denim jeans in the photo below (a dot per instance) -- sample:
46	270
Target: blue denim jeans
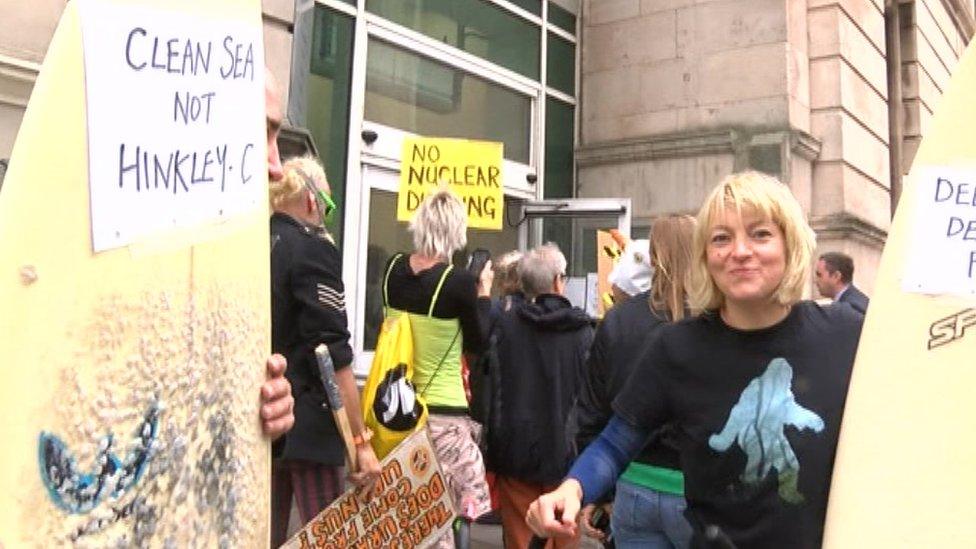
649	519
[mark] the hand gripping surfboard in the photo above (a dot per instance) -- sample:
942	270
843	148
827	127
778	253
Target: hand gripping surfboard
905	471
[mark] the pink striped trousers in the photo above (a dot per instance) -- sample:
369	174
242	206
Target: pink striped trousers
313	485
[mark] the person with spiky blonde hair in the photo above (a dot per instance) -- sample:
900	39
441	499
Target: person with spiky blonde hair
754	385
447	308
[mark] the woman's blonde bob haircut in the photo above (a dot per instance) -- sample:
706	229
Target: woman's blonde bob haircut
440	225
291	187
752	191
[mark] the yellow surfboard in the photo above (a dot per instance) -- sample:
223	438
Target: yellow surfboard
129	376
905	472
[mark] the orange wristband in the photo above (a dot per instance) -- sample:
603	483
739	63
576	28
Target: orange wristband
363	437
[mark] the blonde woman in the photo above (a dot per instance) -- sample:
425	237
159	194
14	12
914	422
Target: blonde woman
755	385
448	307
307	309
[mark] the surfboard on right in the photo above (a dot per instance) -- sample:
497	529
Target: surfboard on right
905	472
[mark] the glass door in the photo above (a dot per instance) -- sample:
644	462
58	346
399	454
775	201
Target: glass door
573	225
381	237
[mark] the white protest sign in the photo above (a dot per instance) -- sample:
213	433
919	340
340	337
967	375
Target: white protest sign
942	253
175	120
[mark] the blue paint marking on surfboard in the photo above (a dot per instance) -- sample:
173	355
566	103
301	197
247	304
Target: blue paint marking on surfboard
79	492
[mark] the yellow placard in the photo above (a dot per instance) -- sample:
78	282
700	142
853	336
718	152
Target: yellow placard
606	256
471	169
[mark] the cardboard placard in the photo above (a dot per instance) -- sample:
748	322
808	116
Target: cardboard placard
413	509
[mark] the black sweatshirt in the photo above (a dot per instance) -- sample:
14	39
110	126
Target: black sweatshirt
614	356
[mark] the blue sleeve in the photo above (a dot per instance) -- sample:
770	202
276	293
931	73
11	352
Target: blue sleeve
598	467
592	409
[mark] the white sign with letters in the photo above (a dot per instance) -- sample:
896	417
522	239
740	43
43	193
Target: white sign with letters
175	120
942	253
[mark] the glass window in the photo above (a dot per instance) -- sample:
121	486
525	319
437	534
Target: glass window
577	238
387	237
639	231
328	89
475	26
562	18
559	150
561	65
422	96
531	6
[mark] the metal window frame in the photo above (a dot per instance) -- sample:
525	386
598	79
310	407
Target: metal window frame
362	158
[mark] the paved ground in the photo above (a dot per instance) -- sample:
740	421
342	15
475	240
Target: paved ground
484	536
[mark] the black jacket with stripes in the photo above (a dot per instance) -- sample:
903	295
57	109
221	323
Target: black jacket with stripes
307	308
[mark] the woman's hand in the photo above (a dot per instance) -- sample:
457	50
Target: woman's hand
586	520
554	514
367	473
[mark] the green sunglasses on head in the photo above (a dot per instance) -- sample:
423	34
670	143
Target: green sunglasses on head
325	203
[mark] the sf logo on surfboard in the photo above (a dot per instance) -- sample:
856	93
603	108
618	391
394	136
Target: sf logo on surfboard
953	327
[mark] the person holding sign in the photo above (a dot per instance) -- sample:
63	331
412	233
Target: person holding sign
449	307
277	404
308	308
755	385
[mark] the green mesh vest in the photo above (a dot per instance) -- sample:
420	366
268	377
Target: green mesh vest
436	350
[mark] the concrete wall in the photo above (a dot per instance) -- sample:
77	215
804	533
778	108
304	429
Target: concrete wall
849	98
279	16
932	43
654	67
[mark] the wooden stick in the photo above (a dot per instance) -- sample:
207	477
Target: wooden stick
332	394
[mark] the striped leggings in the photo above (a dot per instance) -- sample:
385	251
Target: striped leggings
313	485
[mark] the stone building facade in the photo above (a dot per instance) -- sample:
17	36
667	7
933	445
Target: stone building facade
677	93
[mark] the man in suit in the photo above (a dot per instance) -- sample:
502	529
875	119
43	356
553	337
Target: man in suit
834	275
